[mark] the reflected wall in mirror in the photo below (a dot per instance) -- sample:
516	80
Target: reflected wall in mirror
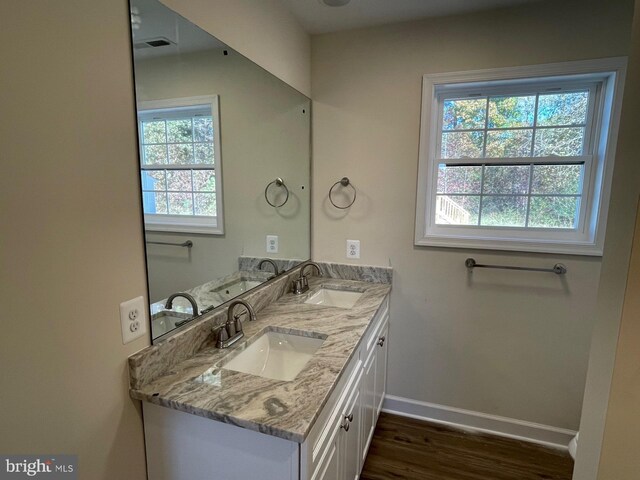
224	165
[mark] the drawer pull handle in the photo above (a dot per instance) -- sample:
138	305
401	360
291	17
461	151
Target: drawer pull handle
349	417
381	341
345	425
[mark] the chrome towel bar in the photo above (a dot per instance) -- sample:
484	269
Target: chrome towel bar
558	268
187	244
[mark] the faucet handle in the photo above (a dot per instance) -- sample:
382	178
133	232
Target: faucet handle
300	285
230	327
237	323
223	334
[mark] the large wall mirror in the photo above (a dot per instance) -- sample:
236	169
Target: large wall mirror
224	165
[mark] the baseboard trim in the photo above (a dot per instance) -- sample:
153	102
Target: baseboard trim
468	420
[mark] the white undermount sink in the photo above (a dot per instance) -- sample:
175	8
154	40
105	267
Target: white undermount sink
276	355
166	320
236	288
334	298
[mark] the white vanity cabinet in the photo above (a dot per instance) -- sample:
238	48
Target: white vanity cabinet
335	453
375	374
338	443
183	446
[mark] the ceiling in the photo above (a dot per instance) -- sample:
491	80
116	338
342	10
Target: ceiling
316	17
156	20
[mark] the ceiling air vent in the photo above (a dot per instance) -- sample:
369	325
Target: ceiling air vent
153	43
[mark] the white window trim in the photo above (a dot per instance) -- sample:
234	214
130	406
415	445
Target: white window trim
183	223
589	241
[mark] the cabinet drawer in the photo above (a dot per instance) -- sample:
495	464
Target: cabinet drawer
372	333
320	439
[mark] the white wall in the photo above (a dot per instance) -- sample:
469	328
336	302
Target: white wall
72	246
265	135
514	344
262	30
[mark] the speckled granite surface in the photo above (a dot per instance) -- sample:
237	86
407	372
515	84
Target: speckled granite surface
183	373
251	263
366	273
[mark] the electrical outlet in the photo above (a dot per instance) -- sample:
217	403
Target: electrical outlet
133	317
272	244
353	248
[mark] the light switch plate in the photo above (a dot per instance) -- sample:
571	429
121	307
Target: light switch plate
133	317
353	248
272	244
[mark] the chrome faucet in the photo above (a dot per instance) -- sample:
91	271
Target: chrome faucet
231	331
192	301
301	284
268	260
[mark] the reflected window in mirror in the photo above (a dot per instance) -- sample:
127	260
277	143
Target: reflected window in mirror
180	165
266	135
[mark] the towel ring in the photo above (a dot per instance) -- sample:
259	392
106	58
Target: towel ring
279	183
345	182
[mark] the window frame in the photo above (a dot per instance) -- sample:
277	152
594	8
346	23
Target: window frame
187	223
588	237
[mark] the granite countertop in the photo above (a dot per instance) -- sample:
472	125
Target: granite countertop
285	409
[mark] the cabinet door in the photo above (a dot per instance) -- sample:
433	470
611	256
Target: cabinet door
367	400
381	369
350	442
330	467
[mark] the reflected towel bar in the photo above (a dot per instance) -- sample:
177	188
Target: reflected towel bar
187	244
558	268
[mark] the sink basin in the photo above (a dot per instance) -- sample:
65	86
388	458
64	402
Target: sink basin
334	298
166	321
238	287
276	355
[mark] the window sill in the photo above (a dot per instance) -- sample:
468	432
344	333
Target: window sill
191	225
573	248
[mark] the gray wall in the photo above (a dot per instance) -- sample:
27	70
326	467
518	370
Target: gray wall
612	342
71	245
506	343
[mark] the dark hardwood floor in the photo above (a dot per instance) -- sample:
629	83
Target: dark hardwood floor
404	448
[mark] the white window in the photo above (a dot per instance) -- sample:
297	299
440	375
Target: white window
180	165
519	158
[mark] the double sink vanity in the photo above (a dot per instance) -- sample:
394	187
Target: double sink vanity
297	397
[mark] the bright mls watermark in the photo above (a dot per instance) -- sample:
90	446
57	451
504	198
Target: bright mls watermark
51	467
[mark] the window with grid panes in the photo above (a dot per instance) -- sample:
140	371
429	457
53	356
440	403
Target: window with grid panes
179	155
515	161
